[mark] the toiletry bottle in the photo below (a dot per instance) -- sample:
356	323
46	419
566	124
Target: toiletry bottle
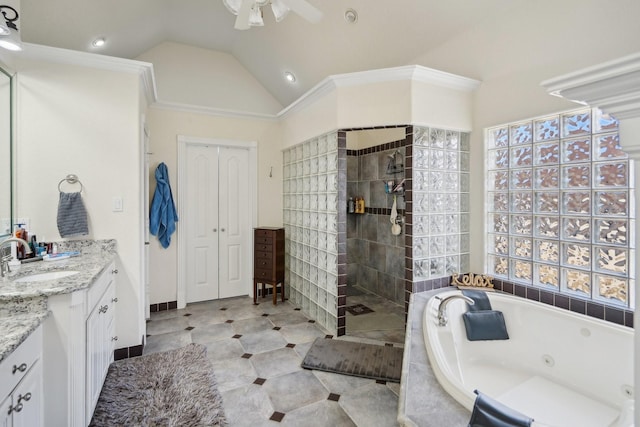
351	205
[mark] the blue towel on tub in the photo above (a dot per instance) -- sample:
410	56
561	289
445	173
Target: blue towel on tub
480	299
488	412
480	321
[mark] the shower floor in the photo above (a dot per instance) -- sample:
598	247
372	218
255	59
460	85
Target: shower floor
384	323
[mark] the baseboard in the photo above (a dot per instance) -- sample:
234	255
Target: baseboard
127	352
163	306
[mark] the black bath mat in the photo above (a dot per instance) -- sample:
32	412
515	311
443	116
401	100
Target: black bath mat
377	362
358	309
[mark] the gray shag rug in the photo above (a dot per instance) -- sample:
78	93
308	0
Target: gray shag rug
378	362
172	388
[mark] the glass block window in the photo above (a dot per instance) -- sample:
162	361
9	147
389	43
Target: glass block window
560	206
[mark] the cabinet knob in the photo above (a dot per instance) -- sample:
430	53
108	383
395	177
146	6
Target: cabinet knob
21	368
114	338
26	397
215	230
16	408
114	299
222	229
114	271
103	309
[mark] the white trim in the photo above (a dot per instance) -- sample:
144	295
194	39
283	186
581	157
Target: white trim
182	142
612	86
211	111
85	59
415	73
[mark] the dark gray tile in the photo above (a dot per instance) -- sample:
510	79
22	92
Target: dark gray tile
369	227
369	167
377	256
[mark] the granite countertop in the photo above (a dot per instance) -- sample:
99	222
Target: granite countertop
423	402
23	306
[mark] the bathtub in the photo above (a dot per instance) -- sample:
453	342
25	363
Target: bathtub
560	368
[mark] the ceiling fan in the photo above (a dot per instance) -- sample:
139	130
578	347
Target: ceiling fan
249	12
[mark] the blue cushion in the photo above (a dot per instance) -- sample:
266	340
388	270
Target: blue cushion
485	325
488	412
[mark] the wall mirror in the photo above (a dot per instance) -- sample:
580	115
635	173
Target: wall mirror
6	155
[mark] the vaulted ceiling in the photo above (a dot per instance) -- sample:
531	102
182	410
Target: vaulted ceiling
388	33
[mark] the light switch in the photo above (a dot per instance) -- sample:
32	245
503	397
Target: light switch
117	204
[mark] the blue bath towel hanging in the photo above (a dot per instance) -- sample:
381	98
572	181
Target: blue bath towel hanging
163	215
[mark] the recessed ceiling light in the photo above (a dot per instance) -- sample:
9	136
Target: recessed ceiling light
351	16
290	77
99	42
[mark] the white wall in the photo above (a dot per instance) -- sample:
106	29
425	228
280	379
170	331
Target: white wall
84	121
165	126
513	53
194	76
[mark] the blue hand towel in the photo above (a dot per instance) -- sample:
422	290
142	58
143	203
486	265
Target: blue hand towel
488	412
480	299
163	215
72	216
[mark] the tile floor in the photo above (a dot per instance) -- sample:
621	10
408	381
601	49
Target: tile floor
385	323
256	353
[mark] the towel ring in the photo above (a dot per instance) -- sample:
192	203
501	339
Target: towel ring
71	179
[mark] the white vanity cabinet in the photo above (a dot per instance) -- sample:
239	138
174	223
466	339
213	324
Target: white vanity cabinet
100	345
79	342
21	384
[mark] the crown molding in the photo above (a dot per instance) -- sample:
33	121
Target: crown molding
612	86
414	73
210	111
110	63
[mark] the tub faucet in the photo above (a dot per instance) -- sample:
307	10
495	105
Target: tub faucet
442	313
4	261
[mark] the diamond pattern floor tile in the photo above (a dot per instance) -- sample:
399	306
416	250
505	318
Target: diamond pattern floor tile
260	377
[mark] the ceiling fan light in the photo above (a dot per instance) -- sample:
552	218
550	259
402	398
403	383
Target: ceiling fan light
255	17
232	5
280	10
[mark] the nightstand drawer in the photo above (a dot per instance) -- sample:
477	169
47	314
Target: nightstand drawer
264	240
260	232
263	248
264	264
261	273
263	255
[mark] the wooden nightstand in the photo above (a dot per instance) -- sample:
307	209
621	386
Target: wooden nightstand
268	260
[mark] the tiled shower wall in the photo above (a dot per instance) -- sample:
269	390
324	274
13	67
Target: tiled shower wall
375	257
315	229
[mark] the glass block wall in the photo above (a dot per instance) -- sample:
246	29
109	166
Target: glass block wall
314	189
440	203
560	206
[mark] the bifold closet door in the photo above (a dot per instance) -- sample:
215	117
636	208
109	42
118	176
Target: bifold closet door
235	222
218	223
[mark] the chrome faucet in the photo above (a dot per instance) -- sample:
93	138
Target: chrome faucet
442	313
4	261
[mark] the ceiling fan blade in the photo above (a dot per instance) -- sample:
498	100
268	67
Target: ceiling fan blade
242	21
304	9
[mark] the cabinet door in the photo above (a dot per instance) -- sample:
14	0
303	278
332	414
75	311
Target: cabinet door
29	395
5	416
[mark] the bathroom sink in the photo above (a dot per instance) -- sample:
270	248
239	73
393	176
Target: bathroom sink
50	275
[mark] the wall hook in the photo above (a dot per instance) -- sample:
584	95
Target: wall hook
271	172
